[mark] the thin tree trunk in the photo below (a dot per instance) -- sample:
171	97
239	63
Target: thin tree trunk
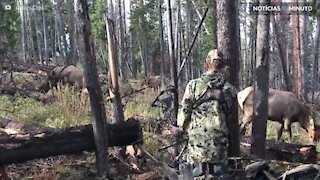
44	34
71	30
177	42
95	93
132	55
174	79
214	24
253	35
316	59
62	37
304	51
143	48
75	36
57	44
30	38
122	61
38	34
162	51
296	53
23	29
189	71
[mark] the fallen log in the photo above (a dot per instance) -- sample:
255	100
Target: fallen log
12	91
281	151
19	147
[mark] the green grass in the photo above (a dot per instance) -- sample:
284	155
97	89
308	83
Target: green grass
140	105
68	111
298	135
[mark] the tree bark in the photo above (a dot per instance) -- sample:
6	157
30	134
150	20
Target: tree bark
228	44
281	54
296	53
132	55
38	34
123	66
316	59
189	71
45	34
214	24
304	51
174	78
261	86
95	93
143	47
162	45
30	40
113	69
23	29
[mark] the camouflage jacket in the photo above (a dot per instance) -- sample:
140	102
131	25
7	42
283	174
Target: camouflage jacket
206	105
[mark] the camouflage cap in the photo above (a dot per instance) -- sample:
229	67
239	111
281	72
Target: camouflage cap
215	58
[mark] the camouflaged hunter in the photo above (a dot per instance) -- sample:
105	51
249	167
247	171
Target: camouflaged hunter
206	105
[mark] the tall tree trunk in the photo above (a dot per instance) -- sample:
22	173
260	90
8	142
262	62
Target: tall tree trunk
316	59
281	53
132	56
190	22
75	35
29	34
45	42
61	35
38	34
162	45
57	44
23	29
214	24
95	93
71	31
228	44
304	48
143	48
122	61
113	72
177	43
174	79
261	86
253	42
296	52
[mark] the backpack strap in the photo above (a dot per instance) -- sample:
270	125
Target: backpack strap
211	94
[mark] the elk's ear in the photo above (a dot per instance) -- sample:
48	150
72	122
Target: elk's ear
52	73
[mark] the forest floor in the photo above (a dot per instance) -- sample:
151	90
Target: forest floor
68	111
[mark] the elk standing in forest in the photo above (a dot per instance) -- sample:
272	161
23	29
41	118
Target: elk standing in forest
152	82
283	107
66	75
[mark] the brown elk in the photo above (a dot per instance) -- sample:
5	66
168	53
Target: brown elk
283	107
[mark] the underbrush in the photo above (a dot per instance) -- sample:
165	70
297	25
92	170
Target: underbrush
298	134
140	105
67	111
